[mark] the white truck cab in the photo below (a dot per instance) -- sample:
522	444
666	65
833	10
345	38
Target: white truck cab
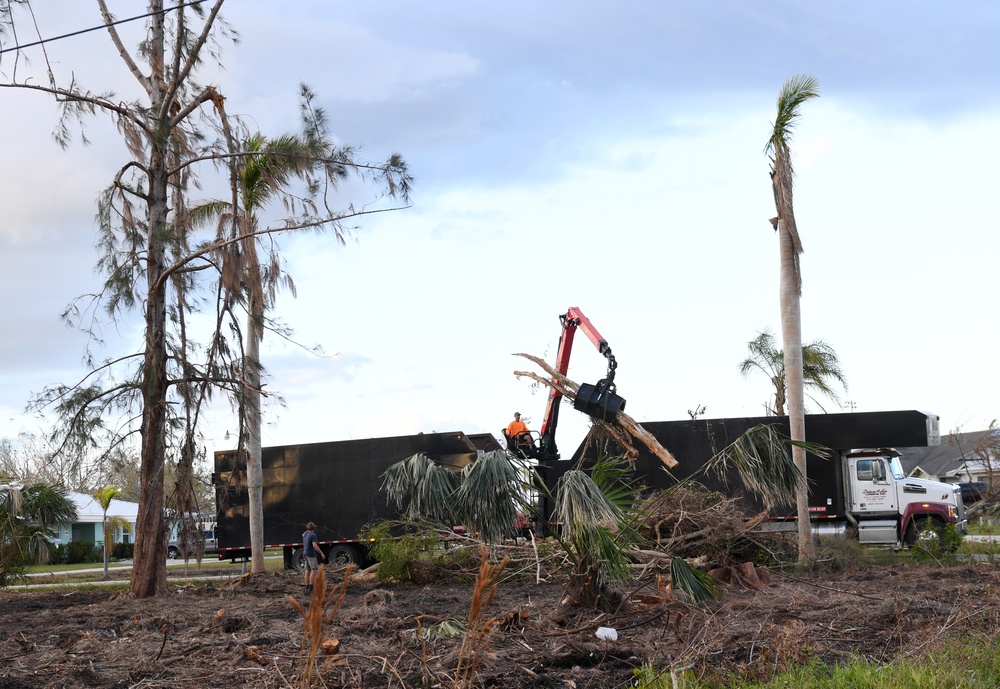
889	507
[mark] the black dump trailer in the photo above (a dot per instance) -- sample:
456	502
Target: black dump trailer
336	485
695	441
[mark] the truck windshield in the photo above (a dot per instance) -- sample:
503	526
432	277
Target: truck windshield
896	469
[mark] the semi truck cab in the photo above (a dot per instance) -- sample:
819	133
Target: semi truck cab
889	507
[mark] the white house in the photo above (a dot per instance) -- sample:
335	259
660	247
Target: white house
90	517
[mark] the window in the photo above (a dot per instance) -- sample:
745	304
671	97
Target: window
864	469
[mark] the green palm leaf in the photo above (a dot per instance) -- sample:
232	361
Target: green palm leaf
761	459
488	498
698	585
417	486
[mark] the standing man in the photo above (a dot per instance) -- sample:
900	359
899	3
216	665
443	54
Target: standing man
311	551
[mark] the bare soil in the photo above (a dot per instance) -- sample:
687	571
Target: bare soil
244	632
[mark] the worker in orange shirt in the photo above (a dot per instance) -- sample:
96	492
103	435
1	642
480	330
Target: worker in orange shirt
516	427
518	437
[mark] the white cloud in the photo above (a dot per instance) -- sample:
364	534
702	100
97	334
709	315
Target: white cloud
625	176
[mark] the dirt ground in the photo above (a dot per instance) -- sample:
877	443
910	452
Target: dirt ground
246	633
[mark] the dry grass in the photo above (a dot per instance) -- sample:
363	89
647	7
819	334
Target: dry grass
479	628
323	608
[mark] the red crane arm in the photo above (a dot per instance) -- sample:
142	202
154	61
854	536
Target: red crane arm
571	320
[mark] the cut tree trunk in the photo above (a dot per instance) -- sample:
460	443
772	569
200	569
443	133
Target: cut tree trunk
622	428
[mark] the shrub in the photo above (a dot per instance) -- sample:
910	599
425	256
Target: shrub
408	551
82	551
939	543
122	551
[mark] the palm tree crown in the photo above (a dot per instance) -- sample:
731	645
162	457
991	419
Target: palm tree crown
794	93
820	368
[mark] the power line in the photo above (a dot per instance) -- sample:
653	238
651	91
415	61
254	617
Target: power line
102	26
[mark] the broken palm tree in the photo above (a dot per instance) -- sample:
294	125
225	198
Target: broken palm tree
621	427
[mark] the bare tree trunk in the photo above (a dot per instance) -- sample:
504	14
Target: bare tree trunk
149	571
107	545
791	332
255	472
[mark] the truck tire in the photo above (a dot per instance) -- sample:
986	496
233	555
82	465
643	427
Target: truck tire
173	552
298	560
926	534
343	555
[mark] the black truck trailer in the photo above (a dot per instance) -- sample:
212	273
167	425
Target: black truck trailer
335	485
860	484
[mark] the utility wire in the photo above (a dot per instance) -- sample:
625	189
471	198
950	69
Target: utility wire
102	26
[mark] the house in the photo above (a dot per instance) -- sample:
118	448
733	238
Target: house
960	458
90	517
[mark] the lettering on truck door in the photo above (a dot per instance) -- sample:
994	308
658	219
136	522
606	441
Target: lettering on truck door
871	487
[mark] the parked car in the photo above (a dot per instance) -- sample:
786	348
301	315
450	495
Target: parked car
972	492
211	546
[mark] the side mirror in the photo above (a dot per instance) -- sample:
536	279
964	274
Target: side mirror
878	471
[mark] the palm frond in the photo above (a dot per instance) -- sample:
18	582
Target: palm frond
762	460
419	487
698	585
795	91
598	551
616	480
48	505
581	505
105	495
489	496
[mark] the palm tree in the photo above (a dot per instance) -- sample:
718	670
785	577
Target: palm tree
794	93
265	167
820	368
265	170
27	516
104	496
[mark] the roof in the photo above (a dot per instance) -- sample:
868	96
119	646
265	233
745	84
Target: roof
88	510
950	457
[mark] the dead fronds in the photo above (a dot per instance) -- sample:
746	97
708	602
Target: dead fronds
316	618
479	628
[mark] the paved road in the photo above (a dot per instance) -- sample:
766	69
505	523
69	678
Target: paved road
38	577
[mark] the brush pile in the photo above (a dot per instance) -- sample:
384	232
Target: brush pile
693	523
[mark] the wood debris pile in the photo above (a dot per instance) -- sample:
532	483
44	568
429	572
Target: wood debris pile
690	522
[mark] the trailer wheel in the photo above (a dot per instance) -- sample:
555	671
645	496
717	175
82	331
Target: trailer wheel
343	555
298	560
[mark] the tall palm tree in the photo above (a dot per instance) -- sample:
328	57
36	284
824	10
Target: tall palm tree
820	368
796	91
265	169
104	496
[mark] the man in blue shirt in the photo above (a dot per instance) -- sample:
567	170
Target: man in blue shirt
311	551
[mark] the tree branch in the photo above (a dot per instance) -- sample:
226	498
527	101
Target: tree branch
621	423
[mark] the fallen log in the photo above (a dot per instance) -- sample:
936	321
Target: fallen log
621	428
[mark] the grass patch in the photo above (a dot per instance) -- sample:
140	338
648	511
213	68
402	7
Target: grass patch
969	664
50	569
982	528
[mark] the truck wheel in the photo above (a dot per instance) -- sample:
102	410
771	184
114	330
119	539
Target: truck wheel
926	534
298	560
343	555
173	553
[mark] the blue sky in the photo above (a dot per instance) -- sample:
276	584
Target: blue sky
605	156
